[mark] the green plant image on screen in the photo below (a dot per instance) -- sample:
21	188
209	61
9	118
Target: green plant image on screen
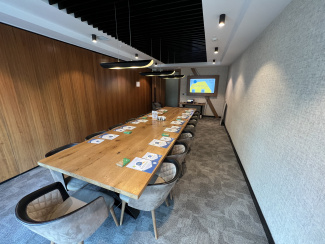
202	85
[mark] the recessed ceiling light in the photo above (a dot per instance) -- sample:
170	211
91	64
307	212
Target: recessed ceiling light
216	50
214	61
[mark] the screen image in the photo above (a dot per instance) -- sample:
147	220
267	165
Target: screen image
202	85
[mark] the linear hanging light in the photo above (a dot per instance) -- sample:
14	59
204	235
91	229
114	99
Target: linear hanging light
158	73
173	77
127	64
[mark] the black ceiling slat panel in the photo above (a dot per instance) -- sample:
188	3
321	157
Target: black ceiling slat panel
179	25
189	20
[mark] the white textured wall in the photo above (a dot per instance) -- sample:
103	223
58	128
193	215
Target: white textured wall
276	119
218	101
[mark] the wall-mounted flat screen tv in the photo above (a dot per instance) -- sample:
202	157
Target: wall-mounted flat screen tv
202	85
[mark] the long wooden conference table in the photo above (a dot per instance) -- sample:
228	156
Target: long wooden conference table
96	163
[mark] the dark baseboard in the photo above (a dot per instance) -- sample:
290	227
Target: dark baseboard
18	175
210	116
257	206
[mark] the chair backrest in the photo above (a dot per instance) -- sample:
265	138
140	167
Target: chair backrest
94	134
114	126
59	149
130	120
33	210
179	156
155	194
156	105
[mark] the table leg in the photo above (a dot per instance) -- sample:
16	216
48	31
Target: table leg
118	202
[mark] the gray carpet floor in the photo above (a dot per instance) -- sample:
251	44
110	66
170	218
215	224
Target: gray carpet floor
211	204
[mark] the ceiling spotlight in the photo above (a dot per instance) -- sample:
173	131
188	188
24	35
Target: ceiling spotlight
216	50
222	19
155	64
136	56
214	61
94	38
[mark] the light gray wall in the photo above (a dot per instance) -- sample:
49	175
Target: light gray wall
276	119
218	101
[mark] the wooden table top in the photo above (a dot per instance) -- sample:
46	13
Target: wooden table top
96	163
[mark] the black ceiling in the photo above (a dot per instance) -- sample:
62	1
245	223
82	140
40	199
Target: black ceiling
177	23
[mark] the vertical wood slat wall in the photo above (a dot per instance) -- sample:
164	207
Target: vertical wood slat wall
53	93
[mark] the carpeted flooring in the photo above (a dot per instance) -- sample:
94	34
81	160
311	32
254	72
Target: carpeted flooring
211	202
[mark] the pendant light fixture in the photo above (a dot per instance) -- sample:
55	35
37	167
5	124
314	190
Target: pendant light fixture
158	73
127	64
173	76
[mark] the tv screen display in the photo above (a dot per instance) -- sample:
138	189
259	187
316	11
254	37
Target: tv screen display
202	85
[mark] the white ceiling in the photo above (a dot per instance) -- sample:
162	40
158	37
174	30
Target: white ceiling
245	20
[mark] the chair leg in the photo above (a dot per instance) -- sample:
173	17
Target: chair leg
171	195
114	216
154	223
167	203
122	212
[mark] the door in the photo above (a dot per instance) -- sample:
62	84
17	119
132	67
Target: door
172	92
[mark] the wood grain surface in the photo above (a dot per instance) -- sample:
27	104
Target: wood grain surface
53	93
96	163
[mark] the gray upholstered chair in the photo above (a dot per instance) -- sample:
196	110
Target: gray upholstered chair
53	214
156	105
115	126
190	126
186	136
129	120
70	183
193	121
156	192
195	117
94	134
179	152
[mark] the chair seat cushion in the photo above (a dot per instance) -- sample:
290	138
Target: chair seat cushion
74	184
178	149
88	194
69	205
185	135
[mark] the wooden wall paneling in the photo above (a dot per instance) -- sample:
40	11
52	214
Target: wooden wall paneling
100	87
53	93
63	64
47	91
90	98
129	95
17	110
83	73
51	97
8	162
